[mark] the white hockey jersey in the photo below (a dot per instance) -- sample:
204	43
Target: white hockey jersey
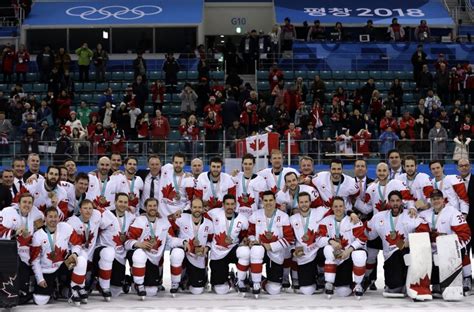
390	232
87	233
176	192
420	187
376	197
103	192
11	220
196	235
327	190
306	233
291	202
248	193
454	191
48	253
134	191
227	233
213	193
140	231
275	231
275	182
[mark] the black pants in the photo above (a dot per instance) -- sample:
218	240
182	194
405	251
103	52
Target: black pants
395	270
62	276
274	271
197	277
308	273
220	268
84	73
152	272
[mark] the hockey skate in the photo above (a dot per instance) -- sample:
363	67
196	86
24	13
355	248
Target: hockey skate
75	298
174	289
329	290
241	288
105	292
319	284
358	291
83	294
126	284
436	291
141	291
467	285
256	290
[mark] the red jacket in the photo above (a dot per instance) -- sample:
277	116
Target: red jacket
317	112
274	77
292	100
8	60
117	141
247	118
143	130
22	60
363	142
64	107
212	107
213	126
386	122
189	132
408	126
294	144
160	128
158	93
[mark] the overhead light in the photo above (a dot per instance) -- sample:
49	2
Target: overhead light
222	36
238	30
222	41
105	34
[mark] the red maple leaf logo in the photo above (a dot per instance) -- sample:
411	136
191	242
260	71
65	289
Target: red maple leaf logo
264	240
42	208
132	199
59	254
24	241
312	235
393	241
249	203
274	189
214	203
344	242
423	286
117	240
100	205
157	243
253	145
381	207
168	192
328	203
220	239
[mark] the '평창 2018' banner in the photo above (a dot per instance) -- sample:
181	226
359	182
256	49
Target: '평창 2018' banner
408	12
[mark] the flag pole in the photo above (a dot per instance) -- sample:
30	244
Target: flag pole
289	149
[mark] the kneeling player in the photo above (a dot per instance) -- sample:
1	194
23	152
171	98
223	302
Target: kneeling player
344	250
230	229
52	259
393	227
270	234
195	232
308	256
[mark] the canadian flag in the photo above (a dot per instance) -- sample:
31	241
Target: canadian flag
258	145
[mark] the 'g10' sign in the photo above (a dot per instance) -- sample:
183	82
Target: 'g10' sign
238	21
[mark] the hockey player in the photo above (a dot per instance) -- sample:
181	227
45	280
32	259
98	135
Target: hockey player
214	184
229	245
195	232
444	219
393	227
47	190
177	189
452	186
418	183
19	222
146	241
344	251
274	176
53	259
270	233
309	258
134	183
334	183
78	193
248	187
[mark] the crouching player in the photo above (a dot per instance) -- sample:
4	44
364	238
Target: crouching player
230	230
344	250
52	258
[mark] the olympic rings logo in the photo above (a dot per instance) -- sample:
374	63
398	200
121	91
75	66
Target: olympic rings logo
120	12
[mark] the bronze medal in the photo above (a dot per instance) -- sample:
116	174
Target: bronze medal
102	200
268	235
338	240
245	198
337	253
153	241
178	196
305	238
393	234
123	238
228	240
53	255
197	243
131	196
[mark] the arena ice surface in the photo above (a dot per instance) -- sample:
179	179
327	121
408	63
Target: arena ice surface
371	301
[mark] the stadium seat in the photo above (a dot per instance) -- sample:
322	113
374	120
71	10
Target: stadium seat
325	74
350	75
128	76
219	75
289	75
174	135
175	109
329	85
363	75
171	148
149	109
116	86
387	75
403	75
263	86
375	74
182	75
338	75
301	73
311	74
155	75
42	87
192	75
117	76
86	97
31	77
28	87
380	85
174	121
101	86
78	86
352	85
262	75
408	97
89	86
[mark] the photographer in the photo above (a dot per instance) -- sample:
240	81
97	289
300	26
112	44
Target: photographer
422	32
188	100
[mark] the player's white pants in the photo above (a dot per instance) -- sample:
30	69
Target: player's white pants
107	256
176	263
78	275
139	259
359	257
257	253
243	262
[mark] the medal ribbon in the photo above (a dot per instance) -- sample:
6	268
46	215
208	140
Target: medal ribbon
229	228
295	198
412	181
382	195
78	205
269	226
337	227
306	222
434	220
152	230
52	242
132	186
213	190
392	223
86	231
178	185
122	224
244	185
104	186
279	179
440	185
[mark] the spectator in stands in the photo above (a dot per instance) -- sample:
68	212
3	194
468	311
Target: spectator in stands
213	106
454	85
158	91
107	96
249	118
341	95
366	92
280	117
83	113
344	144
396	31
388	121
107	114
123	119
171	69
317	117
434	114
376	106
249	50
441	60
54	82
79	142
432	98
6	128
337	116
438	137
369	30
62	61
99	139
45	113
63	104
213	126
467	127
294	135
203	69
64	147
387	142
8	61
397	90
264	114
288	34
456	118
461	148
4	103
302	117
309	144
407	124
84	56
316	32
22	61
405	144
318	88
159	132
441	80
29	142
140	90
356	122
275	36
189	131
68	84
93	120
46	134
29	113
73	122
45	62
275	76
230	110
233	134
362	142
418	59
116	138
139	65
301	88
337	34
469	87
420	109
233	80
292	100
188	100
422	146
100	59
422	32
143	130
425	81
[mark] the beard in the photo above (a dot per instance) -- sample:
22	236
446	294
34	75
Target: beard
52	184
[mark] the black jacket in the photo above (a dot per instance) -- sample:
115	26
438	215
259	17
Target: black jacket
5	197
